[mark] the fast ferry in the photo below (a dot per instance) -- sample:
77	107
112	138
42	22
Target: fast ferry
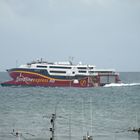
60	74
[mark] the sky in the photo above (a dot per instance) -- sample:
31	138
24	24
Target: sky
105	33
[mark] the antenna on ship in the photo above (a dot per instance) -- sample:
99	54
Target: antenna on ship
71	58
16	63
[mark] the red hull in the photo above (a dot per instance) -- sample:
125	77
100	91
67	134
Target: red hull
34	79
29	78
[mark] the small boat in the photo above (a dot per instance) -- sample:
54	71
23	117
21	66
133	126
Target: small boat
60	74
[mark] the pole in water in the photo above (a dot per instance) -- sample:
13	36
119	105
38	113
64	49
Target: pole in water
53	126
88	137
16	134
136	130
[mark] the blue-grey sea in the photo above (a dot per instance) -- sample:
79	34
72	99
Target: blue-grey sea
106	113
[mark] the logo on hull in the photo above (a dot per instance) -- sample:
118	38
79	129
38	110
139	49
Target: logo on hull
28	80
21	78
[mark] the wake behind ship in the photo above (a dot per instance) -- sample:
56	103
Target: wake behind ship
60	74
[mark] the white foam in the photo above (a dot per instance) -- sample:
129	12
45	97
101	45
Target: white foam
121	84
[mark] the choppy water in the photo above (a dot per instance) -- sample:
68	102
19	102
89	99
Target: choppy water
106	113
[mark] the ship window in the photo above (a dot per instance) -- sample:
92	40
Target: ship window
90	67
82	71
105	71
57	71
44	72
41	66
36	70
82	67
60	67
91	71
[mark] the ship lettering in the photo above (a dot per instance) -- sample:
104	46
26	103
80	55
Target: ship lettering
40	80
24	79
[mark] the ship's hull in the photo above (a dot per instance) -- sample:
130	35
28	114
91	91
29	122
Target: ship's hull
33	77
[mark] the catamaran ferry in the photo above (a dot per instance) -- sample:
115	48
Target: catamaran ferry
60	74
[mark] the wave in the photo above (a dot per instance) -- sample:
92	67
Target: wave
121	84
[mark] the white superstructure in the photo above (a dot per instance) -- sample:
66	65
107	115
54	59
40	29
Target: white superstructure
67	68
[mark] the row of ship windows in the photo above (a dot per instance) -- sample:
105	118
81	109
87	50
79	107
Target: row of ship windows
60	67
74	72
56	71
80	71
65	72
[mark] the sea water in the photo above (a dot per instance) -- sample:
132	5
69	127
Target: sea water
106	113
